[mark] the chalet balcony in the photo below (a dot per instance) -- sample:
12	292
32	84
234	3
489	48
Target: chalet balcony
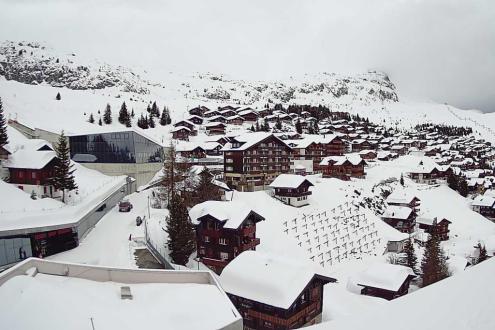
214	262
211	233
247	231
250	245
293	194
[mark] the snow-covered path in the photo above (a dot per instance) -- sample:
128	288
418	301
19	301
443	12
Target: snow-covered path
108	243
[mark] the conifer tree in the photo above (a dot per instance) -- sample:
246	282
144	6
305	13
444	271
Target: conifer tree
165	117
205	189
181	236
132	113
100	122
151	121
154	110
177	176
298	126
63	172
434	264
58	97
124	117
411	259
3	127
91	119
463	187
482	253
278	125
401	181
107	115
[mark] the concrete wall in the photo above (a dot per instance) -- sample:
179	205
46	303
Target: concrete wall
143	173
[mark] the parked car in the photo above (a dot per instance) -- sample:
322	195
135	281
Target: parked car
125	206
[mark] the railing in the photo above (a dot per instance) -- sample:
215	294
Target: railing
250	245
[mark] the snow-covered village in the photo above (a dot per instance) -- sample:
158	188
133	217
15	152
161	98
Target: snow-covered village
134	196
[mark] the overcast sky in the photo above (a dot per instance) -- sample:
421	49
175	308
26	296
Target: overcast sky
443	50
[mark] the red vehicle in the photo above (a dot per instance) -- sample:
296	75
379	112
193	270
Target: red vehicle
125	206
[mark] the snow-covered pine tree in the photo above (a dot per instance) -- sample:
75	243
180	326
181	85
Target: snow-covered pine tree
163	118
463	187
124	117
58	97
154	110
278	125
482	253
434	264
205	189
63	172
151	121
298	126
181	236
3	127
91	119
107	115
411	259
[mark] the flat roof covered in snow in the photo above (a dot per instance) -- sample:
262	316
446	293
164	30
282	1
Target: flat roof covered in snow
50	295
289	181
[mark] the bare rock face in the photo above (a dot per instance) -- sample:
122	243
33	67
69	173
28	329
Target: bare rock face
32	63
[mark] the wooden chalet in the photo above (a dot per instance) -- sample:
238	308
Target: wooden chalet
181	133
197	120
217	119
308	149
31	170
402	218
227	113
368	154
291	189
274	292
424	174
215	128
484	205
199	111
254	160
185	123
384	280
334	145
404	198
211	113
249	115
435	226
343	167
223	231
235	120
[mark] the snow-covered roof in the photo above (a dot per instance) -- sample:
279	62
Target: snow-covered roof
484	201
354	159
441	306
383	276
397	212
30	159
272	280
401	197
233	213
289	181
76	296
248	140
429	221
180	128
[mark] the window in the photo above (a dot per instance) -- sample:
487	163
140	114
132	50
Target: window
33	175
207	239
224	255
222	241
229	168
229	160
21	174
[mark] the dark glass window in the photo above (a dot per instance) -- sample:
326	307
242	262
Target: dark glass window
128	147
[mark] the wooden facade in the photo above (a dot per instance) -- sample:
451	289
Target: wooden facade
439	228
403	225
34	177
344	171
215	129
217	245
305	310
387	294
181	133
258	165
